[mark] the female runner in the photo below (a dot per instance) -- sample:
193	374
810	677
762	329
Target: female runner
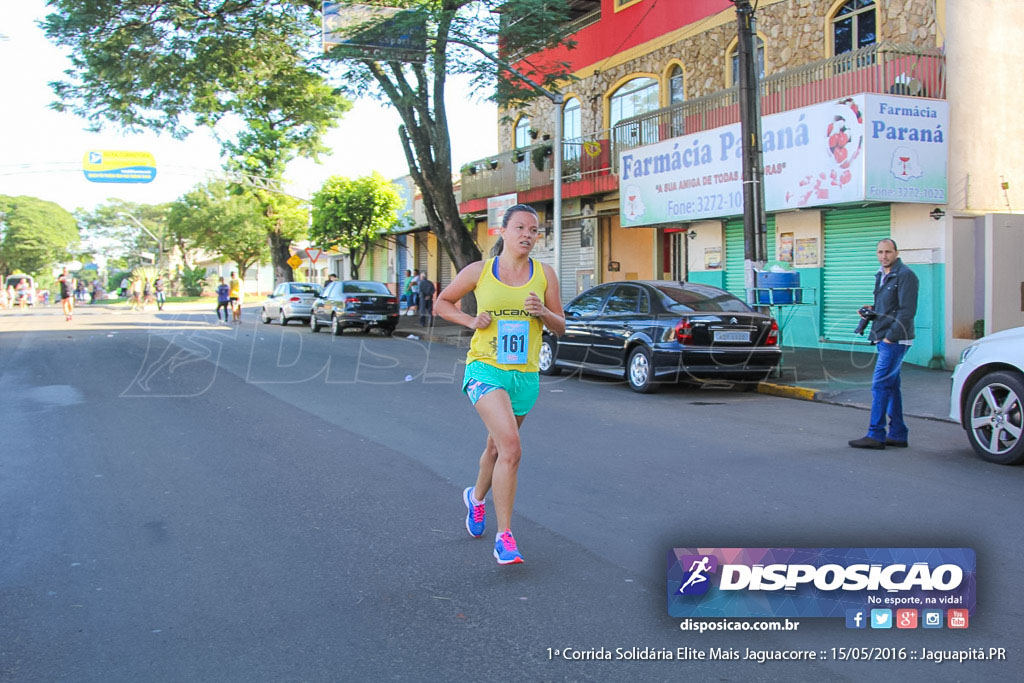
502	376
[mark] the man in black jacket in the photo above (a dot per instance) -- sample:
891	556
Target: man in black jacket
425	290
892	331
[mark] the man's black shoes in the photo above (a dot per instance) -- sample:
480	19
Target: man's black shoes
868	442
895	444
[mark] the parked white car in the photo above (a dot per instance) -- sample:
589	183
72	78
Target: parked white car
987	396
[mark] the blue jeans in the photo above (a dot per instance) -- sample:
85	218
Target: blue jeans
886	398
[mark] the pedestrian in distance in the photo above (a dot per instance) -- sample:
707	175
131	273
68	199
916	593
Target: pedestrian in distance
158	292
24	293
135	300
517	297
892	332
234	296
123	291
147	294
414	295
425	299
406	288
223	300
67	288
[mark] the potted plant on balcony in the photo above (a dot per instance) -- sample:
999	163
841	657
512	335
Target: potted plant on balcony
518	156
468	169
540	154
493	163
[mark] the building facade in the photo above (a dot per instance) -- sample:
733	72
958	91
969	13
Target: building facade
861	137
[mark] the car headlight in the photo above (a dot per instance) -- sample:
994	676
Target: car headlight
968	352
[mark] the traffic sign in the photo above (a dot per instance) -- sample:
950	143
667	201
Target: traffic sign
314	254
294	261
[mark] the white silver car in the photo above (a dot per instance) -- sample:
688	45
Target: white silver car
987	396
290	301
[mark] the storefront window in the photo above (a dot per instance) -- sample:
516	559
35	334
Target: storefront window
853	26
637	96
523	132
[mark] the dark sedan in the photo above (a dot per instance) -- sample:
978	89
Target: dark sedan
661	331
355	303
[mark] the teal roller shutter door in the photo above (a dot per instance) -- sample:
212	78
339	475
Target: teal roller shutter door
734	254
850	266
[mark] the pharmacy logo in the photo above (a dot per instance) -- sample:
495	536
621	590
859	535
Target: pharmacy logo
696	580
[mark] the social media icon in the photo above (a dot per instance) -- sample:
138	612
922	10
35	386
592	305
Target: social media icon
881	618
957	618
906	618
856	618
931	618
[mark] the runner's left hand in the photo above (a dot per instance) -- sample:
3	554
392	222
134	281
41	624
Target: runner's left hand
534	305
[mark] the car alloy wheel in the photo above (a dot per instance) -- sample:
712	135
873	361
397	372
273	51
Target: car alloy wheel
546	360
640	371
314	326
994	416
264	318
336	328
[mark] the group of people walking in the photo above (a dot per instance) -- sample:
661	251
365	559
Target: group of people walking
19	295
141	292
229	298
419	296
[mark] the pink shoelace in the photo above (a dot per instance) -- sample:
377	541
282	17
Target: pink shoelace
506	538
478	513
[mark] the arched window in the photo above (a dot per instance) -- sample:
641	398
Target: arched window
675	85
523	132
733	60
637	96
853	26
572	126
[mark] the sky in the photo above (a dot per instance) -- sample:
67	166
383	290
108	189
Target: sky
41	150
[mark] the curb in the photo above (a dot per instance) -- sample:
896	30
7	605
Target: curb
788	391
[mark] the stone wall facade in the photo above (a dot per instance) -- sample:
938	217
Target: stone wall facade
794	34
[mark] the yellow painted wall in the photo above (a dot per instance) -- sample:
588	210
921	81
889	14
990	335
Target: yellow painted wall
633	248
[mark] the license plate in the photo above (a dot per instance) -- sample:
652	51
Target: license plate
373	317
732	336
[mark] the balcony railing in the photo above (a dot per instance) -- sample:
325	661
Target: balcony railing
880	68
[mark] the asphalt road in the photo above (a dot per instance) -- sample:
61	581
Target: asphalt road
183	501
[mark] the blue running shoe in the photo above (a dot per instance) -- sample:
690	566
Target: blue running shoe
475	519
505	551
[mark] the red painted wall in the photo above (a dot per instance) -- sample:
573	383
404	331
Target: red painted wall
619	31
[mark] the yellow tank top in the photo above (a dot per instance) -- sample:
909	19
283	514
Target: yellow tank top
514	335
234	286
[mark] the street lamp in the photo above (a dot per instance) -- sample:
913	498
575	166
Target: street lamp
159	241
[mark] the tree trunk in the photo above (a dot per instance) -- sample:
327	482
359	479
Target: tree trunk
279	255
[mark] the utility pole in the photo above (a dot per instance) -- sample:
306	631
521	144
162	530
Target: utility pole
750	131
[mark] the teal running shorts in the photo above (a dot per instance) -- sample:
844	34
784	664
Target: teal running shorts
522	388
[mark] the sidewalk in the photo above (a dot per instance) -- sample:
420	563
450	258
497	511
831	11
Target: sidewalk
838	377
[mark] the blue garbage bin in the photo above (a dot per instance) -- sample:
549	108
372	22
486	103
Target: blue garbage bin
784	287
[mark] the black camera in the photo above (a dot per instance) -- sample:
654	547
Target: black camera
867	315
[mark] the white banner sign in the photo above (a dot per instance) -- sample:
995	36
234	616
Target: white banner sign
813	156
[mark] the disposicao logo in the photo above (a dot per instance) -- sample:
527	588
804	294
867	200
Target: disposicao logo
817	582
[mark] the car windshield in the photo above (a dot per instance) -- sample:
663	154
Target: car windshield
693	298
305	288
366	288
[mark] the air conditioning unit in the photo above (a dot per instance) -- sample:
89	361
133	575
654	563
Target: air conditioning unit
905	84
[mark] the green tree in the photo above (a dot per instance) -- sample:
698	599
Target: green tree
230	224
153	63
113	228
351	214
461	37
34	235
167	65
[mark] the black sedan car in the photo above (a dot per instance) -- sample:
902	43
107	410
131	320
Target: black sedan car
355	303
662	331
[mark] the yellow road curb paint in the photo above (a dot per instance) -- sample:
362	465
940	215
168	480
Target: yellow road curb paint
787	391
